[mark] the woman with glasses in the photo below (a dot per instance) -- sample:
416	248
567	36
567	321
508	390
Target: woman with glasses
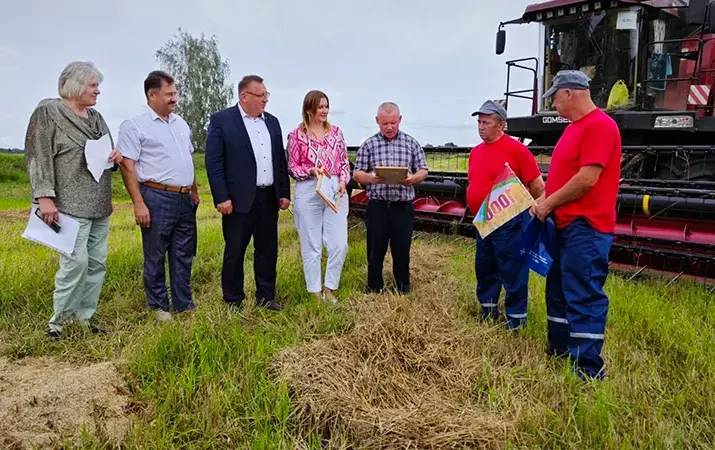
317	149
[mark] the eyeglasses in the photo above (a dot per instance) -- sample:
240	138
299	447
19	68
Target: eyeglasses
265	95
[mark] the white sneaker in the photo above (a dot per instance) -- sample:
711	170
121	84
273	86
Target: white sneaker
162	316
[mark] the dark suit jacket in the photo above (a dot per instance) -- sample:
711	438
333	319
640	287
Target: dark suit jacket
231	164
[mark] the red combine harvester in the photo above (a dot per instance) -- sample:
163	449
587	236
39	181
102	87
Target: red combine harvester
664	53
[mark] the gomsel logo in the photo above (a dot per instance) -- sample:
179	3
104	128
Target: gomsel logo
554	119
502	202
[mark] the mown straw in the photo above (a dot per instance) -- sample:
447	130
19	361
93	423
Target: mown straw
405	375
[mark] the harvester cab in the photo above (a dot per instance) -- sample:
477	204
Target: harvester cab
656	49
651	64
652	68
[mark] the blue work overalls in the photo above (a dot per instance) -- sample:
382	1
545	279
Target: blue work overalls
576	305
497	262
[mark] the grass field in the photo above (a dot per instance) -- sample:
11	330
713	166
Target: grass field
222	379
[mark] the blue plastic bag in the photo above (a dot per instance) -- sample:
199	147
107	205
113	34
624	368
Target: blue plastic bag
537	245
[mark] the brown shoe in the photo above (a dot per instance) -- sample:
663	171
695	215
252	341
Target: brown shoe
329	296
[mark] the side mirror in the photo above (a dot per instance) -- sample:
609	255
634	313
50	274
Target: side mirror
501	41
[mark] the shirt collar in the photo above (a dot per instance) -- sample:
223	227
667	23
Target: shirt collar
155	116
244	115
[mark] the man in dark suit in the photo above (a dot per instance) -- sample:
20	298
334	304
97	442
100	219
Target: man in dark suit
248	174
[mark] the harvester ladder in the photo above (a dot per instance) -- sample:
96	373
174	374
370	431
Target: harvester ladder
534	91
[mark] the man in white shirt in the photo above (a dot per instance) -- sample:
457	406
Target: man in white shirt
248	174
158	172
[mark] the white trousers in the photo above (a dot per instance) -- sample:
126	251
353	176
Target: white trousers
319	226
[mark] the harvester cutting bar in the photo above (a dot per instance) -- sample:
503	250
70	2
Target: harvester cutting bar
697	203
681	233
671	261
656	211
666	225
678	206
671	245
549	149
450	182
671	184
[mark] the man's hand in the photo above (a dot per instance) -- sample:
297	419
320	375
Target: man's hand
364	178
409	180
141	215
225	208
341	188
195	197
414	178
285	203
374	179
543	210
532	210
48	210
116	157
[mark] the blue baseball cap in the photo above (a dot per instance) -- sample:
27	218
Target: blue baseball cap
568	79
491	107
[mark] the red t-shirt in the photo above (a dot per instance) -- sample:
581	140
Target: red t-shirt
486	162
593	139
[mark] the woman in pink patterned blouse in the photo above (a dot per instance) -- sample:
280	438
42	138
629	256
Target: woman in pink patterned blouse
316	147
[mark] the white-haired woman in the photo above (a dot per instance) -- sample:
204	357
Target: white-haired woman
61	183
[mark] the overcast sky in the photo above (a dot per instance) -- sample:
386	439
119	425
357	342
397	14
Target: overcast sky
434	58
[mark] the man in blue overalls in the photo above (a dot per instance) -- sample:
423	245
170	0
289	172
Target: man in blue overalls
581	193
496	260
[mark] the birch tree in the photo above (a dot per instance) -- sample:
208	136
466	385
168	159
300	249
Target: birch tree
201	79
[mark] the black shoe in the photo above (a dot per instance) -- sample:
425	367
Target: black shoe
94	330
234	305
188	310
270	304
54	335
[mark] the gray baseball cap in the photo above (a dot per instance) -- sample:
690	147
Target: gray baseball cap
491	107
568	79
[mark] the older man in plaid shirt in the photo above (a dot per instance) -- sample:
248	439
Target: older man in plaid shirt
389	214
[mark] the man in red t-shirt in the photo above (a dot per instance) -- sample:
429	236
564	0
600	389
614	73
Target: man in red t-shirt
496	261
581	191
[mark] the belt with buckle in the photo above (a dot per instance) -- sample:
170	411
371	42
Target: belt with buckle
391	203
166	187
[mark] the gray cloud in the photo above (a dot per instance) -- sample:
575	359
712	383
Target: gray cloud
4	50
435	59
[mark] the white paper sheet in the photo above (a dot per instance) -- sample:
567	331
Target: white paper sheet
627	20
96	152
38	231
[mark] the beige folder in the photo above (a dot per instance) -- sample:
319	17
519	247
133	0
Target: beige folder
391	175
